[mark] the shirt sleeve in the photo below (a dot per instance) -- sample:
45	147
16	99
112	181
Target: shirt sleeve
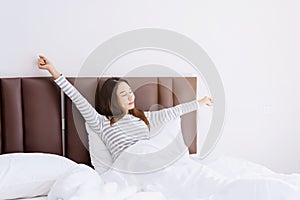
90	115
156	118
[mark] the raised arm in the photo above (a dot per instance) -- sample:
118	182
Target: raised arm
88	112
158	117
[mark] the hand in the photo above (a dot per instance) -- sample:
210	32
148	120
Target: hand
205	100
44	63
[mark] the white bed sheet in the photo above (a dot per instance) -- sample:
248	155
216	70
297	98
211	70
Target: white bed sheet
252	180
225	178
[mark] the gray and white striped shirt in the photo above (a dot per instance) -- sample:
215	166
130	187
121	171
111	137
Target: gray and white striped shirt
126	131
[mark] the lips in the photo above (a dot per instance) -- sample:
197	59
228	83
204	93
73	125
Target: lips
130	103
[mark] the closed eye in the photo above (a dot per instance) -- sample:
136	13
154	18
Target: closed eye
124	93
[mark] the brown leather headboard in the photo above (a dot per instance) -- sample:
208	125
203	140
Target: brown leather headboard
31	112
30	116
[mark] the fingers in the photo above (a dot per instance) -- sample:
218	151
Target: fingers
210	101
209	104
43	58
42	61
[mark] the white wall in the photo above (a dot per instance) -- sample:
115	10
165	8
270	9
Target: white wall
254	45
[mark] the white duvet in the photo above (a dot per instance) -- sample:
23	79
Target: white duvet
224	179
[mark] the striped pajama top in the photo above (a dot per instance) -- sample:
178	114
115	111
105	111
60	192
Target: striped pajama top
129	129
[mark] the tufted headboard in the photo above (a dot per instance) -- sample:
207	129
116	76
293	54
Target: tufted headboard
35	116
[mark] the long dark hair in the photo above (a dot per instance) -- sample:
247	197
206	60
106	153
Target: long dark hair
107	103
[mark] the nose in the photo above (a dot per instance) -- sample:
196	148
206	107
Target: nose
130	97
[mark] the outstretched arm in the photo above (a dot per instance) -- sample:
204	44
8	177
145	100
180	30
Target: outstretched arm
158	117
88	112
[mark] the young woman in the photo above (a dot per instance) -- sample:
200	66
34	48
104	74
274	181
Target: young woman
118	122
120	125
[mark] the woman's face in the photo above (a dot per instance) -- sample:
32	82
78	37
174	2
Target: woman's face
125	96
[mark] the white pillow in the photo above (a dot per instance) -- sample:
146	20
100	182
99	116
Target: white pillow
167	133
30	174
81	182
100	156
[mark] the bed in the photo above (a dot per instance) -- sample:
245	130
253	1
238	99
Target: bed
46	153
